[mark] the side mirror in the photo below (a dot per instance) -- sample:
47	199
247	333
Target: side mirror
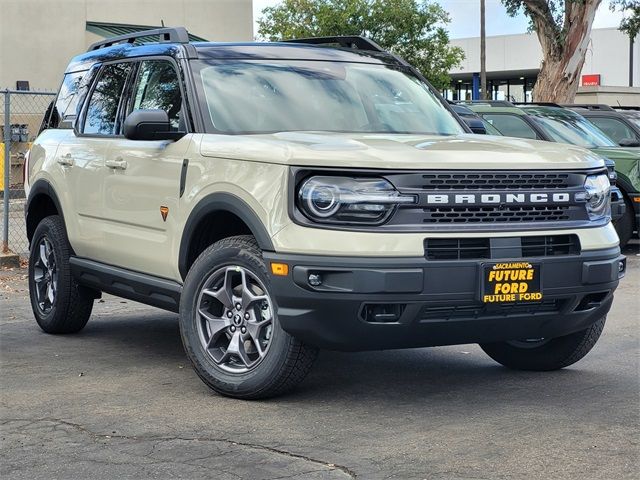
629	142
476	126
149	125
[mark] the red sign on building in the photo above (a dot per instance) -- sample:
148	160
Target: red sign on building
591	80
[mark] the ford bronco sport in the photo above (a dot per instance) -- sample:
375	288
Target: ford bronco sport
285	197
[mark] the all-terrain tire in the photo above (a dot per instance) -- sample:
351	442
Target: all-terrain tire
287	360
71	307
552	354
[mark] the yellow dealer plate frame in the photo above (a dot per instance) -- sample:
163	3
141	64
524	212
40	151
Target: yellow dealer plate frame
511	282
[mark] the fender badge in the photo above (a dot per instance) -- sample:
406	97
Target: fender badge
164	211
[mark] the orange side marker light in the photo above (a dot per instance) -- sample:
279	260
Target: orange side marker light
280	269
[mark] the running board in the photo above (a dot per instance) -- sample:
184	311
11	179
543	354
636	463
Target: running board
147	289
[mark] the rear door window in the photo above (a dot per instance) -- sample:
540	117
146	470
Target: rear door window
102	111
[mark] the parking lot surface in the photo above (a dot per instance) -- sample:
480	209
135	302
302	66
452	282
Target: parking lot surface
120	400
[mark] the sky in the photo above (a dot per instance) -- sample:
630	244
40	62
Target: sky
465	24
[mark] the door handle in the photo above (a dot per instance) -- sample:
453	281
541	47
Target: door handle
117	164
66	160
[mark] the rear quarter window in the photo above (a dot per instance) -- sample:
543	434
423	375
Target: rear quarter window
62	112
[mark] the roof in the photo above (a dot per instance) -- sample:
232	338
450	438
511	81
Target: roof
495	109
548	111
231	51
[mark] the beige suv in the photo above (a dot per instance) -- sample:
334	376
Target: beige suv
286	197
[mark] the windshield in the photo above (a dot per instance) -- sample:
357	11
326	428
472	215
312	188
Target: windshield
260	97
574	130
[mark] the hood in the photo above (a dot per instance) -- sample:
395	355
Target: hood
619	153
398	151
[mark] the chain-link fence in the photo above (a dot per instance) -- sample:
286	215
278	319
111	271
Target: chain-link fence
21	114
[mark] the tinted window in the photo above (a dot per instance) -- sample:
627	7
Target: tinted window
256	97
157	87
61	113
511	125
102	111
574	130
614	128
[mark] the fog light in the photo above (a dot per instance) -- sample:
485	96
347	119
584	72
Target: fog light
622	266
315	280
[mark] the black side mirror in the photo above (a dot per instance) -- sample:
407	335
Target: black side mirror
149	125
629	142
476	126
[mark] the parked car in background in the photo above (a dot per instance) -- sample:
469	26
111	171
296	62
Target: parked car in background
622	126
556	124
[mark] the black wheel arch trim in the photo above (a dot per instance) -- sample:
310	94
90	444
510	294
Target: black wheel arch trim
221	202
41	187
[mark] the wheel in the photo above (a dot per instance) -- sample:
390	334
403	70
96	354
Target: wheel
624	225
545	354
230	328
59	304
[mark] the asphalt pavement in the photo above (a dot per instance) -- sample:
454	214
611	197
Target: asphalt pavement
120	400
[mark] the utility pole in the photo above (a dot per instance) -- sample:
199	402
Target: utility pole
483	54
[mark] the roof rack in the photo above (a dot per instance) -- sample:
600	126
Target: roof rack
490	103
171	35
590	106
537	104
626	107
361	43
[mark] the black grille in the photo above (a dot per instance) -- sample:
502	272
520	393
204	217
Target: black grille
550	245
481	248
480	310
494	181
457	248
509	214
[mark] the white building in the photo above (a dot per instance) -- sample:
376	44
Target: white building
611	71
39	37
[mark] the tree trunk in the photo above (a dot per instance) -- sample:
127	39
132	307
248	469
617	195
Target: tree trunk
483	54
563	50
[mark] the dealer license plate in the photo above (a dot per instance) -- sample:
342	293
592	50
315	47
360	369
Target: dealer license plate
511	282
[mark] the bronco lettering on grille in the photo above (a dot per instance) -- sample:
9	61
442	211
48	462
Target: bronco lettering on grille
497	198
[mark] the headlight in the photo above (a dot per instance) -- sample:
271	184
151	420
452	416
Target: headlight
349	200
598	196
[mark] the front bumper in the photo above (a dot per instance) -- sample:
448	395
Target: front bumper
382	303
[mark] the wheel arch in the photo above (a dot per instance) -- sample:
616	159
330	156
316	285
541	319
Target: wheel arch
229	210
42	202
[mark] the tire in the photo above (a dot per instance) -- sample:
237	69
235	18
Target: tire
625	224
59	304
545	355
233	338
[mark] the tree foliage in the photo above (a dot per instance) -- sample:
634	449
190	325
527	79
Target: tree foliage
631	22
413	29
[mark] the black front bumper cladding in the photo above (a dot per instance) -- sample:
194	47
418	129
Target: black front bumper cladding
360	303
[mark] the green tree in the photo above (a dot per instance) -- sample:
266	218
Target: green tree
413	29
631	22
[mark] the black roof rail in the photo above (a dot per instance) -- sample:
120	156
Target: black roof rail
626	107
170	35
361	43
589	106
537	104
490	103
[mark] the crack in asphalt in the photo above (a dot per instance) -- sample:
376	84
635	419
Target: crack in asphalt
81	428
